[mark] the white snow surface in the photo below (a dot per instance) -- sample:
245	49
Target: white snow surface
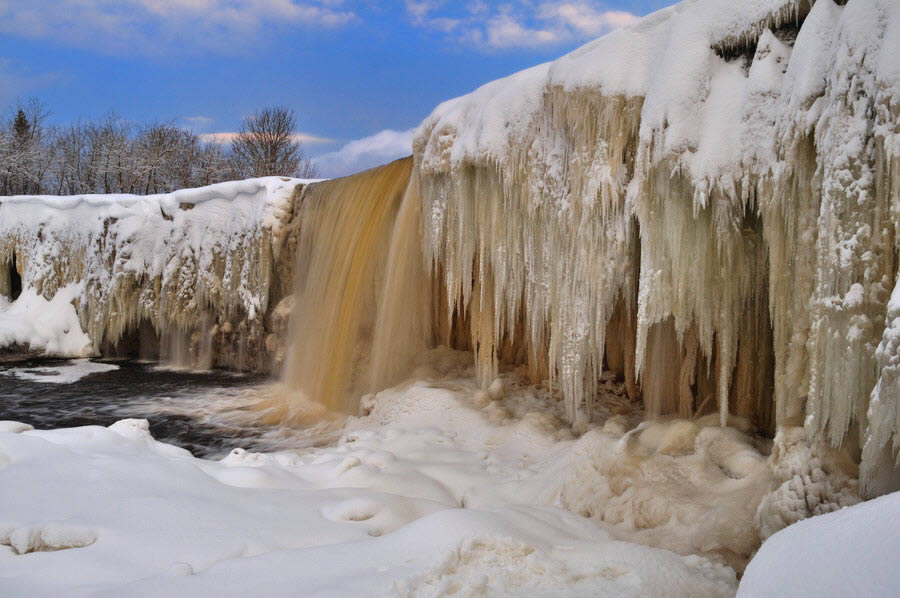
67	373
852	552
666	58
428	495
51	327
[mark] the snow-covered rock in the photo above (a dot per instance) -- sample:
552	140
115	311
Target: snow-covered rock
94	269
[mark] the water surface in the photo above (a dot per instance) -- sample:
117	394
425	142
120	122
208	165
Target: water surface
209	413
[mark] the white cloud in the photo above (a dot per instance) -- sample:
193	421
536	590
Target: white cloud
520	24
584	18
507	31
420	13
228	137
157	26
365	153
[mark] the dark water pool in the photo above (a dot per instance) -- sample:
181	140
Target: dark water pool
208	413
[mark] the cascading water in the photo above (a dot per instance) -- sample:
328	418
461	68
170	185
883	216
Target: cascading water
345	239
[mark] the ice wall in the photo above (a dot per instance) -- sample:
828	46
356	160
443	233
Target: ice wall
723	177
188	276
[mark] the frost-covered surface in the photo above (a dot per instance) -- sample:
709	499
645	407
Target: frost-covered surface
882	446
852	552
729	169
437	490
172	260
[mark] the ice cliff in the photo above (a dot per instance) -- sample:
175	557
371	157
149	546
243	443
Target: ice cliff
706	202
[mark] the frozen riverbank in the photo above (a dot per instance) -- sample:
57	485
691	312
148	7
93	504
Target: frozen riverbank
439	489
429	493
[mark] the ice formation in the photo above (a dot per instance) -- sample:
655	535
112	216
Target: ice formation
704	206
710	194
168	275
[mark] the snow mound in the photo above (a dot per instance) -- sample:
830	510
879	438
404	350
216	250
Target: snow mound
429	494
676	485
51	327
851	552
496	566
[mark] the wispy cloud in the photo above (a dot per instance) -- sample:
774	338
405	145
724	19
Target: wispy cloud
421	12
365	153
152	26
198	122
520	24
228	137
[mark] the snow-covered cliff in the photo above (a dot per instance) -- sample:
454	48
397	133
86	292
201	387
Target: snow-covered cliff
711	195
194	268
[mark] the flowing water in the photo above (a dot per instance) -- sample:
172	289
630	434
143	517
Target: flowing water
347	237
209	413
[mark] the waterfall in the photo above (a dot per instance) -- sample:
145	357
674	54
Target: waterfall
345	241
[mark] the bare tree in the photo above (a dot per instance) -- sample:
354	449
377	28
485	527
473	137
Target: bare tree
267	145
118	156
24	156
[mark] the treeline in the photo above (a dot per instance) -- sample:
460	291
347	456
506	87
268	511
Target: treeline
118	156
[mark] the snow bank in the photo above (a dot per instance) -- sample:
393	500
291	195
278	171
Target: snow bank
173	261
726	175
51	327
852	552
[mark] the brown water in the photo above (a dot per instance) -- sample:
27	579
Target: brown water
342	264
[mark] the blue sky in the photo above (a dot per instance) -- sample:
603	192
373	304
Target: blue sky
360	74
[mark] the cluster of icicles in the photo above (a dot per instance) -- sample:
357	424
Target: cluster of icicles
759	288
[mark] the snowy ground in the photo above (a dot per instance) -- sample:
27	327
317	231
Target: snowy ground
51	326
433	493
439	489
